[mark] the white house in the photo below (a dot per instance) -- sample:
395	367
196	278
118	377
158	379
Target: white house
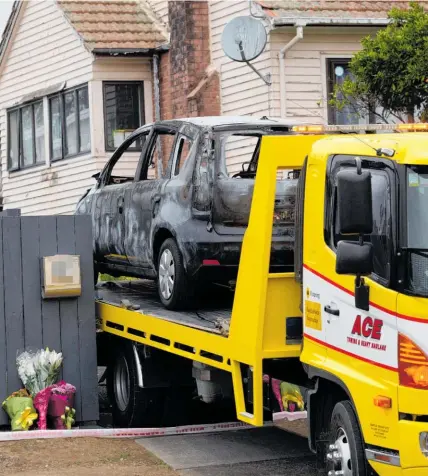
72	74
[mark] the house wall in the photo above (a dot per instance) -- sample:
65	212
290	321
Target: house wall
242	92
118	69
43	51
305	68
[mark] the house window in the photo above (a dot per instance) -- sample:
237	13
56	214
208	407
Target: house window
337	71
26	136
69	123
123	112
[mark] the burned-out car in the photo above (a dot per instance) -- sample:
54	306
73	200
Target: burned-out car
173	202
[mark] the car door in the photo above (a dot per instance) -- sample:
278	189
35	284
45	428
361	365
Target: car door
145	195
109	200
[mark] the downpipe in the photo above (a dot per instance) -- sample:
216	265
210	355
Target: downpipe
281	56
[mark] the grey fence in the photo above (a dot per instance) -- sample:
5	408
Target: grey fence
29	322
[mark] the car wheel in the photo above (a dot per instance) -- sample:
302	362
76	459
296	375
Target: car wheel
175	290
346	453
132	406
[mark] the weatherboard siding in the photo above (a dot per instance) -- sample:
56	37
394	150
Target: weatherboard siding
242	92
43	51
305	68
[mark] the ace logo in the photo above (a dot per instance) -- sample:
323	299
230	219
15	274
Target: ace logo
368	327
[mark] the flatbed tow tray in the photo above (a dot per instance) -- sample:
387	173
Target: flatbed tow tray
263	302
214	317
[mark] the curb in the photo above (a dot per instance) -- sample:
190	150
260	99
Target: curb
122	432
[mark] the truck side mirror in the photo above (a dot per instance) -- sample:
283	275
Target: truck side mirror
354	258
354	197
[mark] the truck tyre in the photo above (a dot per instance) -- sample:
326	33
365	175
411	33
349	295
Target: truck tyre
132	406
346	450
175	290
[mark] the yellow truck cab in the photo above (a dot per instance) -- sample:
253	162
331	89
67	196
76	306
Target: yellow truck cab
350	324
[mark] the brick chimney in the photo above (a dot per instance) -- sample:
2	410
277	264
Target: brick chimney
189	84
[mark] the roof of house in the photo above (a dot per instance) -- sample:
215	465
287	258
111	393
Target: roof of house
115	24
331	11
107	26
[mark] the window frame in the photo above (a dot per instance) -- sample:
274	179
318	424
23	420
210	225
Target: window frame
19	109
141	112
178	149
337	162
330	61
60	95
107	171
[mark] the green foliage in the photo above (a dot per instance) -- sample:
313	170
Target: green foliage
107	277
391	70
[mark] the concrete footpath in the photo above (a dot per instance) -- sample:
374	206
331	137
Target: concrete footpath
249	452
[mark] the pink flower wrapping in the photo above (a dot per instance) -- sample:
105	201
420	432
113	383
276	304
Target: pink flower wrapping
41	402
62	396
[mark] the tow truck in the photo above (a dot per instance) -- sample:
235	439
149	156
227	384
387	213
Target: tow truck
350	324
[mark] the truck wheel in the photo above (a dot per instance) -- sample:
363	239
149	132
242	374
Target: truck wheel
346	453
132	406
175	290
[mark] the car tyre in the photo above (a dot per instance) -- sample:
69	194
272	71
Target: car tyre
346	450
176	290
132	406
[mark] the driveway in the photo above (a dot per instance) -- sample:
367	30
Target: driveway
249	452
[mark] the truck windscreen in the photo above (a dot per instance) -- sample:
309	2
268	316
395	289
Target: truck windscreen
417	229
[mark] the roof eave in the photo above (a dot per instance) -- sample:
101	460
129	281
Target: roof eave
130	51
323	21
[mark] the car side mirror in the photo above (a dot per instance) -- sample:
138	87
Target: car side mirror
354	199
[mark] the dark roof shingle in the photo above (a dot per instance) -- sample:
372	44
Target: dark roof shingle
114	24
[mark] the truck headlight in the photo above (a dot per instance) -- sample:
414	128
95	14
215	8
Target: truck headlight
423	440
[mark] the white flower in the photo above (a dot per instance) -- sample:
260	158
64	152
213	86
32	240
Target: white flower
39	370
55	359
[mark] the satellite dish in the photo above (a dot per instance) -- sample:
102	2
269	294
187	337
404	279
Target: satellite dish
244	39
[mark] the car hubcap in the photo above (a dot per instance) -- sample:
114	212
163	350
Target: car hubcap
166	274
122	384
340	455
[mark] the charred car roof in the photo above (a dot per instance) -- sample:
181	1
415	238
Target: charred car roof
231	123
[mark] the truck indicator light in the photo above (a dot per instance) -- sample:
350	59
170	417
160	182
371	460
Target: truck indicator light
382	402
412	364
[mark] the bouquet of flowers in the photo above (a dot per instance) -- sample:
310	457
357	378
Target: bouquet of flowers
19	407
38	372
60	410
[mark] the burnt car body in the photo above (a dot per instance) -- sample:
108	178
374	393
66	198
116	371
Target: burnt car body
195	204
